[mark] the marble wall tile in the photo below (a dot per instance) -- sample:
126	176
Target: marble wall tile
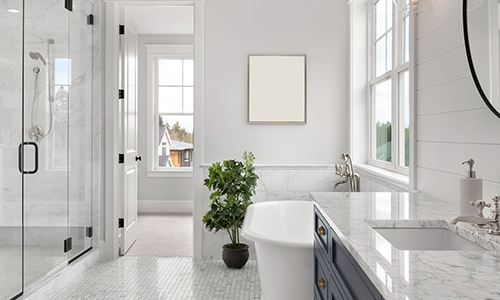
272	180
311	180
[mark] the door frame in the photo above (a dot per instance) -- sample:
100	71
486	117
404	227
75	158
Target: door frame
110	204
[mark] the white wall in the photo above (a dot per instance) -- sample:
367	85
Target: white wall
453	124
151	190
235	29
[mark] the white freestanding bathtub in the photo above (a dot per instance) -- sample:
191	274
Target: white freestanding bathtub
284	243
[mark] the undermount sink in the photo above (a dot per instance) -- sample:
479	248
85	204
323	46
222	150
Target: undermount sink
432	239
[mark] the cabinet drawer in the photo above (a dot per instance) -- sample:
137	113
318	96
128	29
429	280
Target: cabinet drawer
321	230
357	284
321	278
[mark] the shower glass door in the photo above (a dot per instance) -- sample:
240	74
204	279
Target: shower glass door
11	132
47	79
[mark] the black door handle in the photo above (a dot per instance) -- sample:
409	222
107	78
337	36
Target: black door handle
21	157
138	158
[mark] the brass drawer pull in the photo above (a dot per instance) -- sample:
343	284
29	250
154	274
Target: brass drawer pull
322	283
321	230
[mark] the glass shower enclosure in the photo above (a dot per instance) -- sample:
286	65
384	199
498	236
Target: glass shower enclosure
45	139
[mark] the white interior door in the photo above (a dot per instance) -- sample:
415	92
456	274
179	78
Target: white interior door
128	143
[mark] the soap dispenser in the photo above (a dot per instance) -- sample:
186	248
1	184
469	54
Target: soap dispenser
471	189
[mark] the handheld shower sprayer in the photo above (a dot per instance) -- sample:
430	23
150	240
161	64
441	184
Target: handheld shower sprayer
36	133
37	56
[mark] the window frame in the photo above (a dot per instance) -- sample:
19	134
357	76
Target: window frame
399	67
155	53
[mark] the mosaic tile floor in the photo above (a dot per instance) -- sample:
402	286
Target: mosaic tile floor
38	262
175	278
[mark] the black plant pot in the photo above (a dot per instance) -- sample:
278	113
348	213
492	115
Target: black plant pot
235	258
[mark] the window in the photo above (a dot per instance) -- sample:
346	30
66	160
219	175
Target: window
60	100
389	80
174	110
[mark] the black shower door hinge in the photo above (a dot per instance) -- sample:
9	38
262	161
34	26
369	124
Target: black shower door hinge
121	223
121	158
121	29
90	19
89	232
68	244
68	4
121	94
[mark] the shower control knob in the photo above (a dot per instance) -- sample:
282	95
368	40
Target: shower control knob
138	158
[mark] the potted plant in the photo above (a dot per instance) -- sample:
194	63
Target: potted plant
233	184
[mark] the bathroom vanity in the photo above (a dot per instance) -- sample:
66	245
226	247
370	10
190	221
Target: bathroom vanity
354	259
336	274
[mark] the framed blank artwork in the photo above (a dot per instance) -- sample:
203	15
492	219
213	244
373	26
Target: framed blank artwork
277	89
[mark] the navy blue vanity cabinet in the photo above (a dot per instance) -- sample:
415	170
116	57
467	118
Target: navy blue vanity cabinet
337	276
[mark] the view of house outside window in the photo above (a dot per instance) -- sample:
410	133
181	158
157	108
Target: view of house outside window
175	99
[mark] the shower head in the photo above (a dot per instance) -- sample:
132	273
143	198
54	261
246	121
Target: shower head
36	56
50	41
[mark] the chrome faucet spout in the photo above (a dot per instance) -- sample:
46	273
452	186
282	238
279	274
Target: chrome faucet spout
471	220
339	183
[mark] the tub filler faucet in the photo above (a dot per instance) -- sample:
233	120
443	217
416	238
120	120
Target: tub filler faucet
491	222
346	170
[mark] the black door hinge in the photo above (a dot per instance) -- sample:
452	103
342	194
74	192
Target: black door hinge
121	223
121	158
68	245
68	4
89	232
90	19
121	94
122	29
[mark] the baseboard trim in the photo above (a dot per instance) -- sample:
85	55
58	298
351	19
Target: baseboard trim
165	206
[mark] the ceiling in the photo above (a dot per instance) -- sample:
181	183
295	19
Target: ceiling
163	19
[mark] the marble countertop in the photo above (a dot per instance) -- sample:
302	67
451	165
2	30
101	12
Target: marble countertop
407	274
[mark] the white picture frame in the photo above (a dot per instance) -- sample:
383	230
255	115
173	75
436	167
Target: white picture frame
277	89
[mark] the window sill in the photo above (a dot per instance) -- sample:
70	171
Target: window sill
187	173
383	176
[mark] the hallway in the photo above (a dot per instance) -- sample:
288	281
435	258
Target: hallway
163	235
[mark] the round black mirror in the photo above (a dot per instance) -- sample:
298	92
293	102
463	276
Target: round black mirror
481	25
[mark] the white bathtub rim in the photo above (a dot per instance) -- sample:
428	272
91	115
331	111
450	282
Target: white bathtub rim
253	236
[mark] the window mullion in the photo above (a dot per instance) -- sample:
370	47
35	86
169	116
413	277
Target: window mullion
155	107
395	89
395	120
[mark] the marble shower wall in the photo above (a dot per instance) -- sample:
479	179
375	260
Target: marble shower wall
286	183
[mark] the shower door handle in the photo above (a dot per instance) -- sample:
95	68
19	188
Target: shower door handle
21	157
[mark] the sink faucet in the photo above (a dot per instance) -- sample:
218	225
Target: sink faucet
347	171
480	220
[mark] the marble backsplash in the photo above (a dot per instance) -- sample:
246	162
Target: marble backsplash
283	183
